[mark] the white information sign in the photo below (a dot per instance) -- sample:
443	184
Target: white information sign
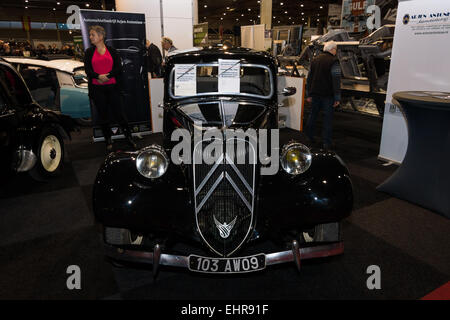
185	79
229	76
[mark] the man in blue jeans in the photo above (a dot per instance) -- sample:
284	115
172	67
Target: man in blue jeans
323	91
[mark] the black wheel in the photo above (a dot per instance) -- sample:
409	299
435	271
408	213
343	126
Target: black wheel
50	155
328	232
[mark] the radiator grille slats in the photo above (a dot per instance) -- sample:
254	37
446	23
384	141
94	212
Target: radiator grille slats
224	194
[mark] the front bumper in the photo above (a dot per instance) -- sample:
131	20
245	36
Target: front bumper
156	258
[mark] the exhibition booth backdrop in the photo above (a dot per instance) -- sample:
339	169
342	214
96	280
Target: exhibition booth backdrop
419	63
126	33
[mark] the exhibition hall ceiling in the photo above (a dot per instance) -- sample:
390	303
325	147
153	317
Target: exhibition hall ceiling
245	12
225	12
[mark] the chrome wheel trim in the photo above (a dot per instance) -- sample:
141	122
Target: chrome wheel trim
50	153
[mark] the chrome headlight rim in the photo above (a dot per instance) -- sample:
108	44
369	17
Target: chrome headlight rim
303	149
148	151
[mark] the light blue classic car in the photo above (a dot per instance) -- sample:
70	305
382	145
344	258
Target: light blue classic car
58	85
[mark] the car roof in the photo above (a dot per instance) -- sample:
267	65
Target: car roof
66	65
208	54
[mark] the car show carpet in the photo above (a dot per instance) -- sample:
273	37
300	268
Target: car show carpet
46	227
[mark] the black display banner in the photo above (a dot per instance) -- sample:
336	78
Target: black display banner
126	33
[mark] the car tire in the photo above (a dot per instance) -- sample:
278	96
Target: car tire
328	232
121	237
49	152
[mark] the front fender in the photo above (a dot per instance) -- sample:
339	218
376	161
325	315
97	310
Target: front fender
124	198
322	194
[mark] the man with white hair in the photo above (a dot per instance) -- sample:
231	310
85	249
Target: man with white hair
323	91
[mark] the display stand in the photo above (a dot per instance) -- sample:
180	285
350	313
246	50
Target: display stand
424	176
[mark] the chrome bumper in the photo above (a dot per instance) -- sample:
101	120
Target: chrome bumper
157	258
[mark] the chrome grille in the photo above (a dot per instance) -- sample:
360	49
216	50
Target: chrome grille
224	198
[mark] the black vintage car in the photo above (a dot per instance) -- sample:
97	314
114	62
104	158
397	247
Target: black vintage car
165	207
31	137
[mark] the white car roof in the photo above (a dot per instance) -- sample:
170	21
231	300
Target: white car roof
66	65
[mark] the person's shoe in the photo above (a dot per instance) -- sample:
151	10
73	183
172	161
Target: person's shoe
130	141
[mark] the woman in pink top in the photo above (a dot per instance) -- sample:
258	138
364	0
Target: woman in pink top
103	68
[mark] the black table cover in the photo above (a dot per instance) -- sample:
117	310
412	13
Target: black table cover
424	176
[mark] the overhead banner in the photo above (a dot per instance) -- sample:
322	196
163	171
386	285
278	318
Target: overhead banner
126	33
334	15
354	15
201	34
419	62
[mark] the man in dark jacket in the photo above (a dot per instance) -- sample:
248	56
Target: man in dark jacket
154	60
323	91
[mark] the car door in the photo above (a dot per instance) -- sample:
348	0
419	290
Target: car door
8	119
43	85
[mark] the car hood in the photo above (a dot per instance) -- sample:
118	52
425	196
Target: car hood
223	114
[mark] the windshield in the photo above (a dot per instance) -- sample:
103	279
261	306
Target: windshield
230	77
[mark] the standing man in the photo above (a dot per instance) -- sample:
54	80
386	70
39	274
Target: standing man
154	60
167	44
323	90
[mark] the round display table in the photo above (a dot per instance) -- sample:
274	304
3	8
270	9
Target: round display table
424	176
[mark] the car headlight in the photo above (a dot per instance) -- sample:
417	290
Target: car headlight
295	158
152	162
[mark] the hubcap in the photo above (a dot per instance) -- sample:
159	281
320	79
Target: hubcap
50	153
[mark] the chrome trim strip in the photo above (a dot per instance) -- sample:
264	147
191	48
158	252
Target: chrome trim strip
172	72
206	197
273	258
227	176
239	174
202	184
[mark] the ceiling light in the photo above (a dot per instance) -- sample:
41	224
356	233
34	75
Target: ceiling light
26	7
281	3
58	3
228	8
301	5
321	7
221	18
249	9
205	6
285	12
87	4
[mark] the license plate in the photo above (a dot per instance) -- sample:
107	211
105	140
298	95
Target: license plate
227	265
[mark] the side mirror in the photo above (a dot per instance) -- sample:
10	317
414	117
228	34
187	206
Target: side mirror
289	91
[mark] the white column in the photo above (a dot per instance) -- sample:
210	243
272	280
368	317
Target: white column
266	13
